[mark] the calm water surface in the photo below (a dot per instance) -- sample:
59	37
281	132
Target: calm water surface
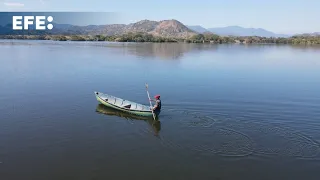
229	111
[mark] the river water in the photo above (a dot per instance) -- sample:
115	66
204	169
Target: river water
228	111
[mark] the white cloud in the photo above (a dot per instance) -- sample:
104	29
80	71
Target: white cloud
13	4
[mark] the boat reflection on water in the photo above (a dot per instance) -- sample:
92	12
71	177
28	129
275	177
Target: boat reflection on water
155	124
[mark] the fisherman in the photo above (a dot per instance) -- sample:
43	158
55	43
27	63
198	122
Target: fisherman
157	107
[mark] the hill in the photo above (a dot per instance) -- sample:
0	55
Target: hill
158	31
241	31
172	28
166	28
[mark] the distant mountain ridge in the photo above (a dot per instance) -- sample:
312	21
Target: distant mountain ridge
165	28
237	31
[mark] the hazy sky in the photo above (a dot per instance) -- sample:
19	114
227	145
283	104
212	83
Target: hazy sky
280	16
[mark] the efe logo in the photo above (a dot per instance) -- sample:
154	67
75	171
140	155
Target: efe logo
29	20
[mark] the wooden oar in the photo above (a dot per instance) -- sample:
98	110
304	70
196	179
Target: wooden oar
150	102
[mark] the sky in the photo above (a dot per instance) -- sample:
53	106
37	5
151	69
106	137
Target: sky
279	16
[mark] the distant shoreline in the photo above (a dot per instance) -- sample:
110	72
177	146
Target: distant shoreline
164	31
200	38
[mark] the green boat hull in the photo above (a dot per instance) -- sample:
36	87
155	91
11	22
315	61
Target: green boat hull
124	105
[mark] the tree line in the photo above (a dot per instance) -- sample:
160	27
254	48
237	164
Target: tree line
199	38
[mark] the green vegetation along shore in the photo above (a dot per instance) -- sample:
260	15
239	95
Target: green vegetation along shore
199	38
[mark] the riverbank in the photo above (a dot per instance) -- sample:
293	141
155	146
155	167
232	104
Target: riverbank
200	38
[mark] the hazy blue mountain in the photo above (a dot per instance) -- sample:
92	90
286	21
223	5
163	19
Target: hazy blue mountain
241	31
198	29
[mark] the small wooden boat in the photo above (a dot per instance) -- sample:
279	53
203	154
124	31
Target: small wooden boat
124	105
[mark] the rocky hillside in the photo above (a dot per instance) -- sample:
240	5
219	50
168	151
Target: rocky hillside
172	28
145	26
165	28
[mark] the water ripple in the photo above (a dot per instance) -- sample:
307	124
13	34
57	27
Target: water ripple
277	140
238	138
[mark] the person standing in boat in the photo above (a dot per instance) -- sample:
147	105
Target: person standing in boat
157	107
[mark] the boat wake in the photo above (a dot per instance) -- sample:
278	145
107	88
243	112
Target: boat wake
276	140
195	119
238	138
223	136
